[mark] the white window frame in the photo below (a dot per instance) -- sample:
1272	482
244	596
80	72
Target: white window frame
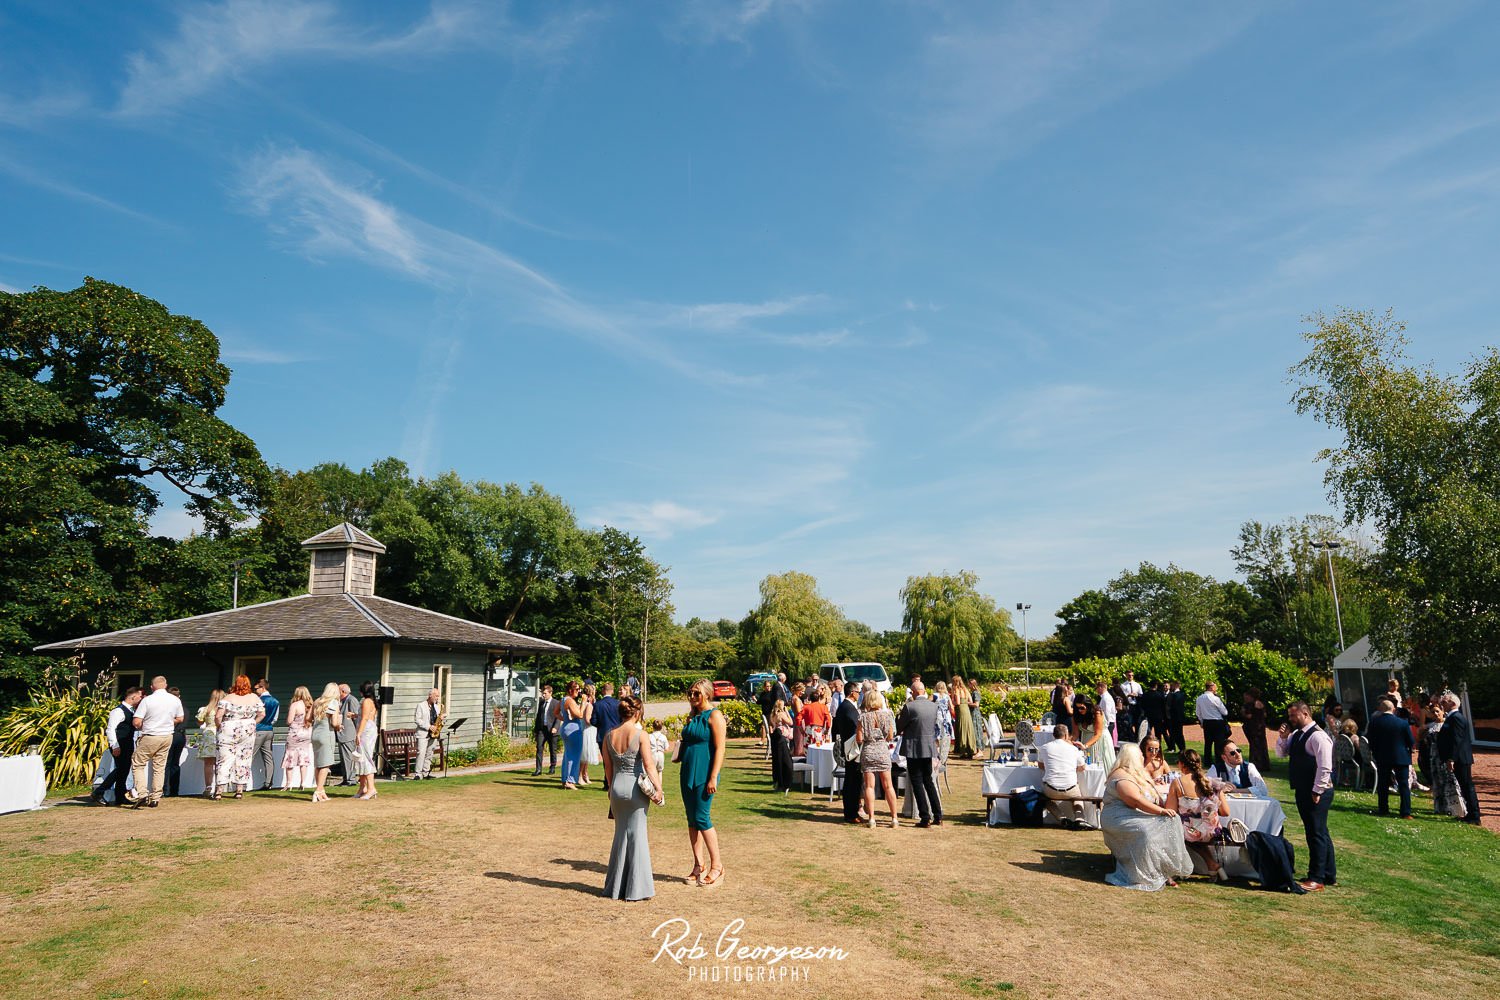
240	669
442	679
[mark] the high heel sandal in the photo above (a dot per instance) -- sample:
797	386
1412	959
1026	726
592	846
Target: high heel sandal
695	877
239	795
711	878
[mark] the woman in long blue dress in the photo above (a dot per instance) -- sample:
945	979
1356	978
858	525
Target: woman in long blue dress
572	734
629	874
701	750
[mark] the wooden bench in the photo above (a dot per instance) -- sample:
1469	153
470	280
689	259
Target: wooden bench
989	801
398	749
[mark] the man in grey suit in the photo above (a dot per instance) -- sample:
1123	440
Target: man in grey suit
349	734
917	725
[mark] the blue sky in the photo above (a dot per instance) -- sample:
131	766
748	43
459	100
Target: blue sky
860	289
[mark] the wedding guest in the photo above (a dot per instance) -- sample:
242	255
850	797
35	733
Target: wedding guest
1162	774
977	711
1061	711
348	735
208	746
701	751
845	725
966	741
626	758
544	730
1233	769
364	761
1447	800
119	733
1391	744
1061	762
782	774
606	712
265	730
155	722
917	725
590	736
1199	801
660	744
767	701
877	728
1108	707
1455	751
327	721
1130	707
572	735
944	706
1253	714
1309	753
297	760
1142	833
814	717
1213	716
174	755
1093	734
1176	716
1153	706
234	722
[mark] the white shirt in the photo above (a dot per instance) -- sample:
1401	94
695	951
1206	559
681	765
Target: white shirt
1131	689
158	713
112	726
1210	707
1257	783
1107	706
1060	760
659	742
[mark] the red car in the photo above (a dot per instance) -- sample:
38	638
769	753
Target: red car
723	689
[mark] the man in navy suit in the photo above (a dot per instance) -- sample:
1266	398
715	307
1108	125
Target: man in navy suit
1391	743
1456	751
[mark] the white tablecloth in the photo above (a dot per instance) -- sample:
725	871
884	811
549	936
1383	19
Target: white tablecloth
191	782
1265	815
23	783
1012	777
821	760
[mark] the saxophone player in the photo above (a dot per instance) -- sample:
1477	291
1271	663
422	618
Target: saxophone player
428	720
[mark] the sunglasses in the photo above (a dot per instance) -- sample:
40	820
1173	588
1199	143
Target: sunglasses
1231	753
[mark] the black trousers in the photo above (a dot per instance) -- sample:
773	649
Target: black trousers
1465	775
174	764
545	738
1215	735
854	789
1384	776
1174	735
1320	862
923	788
122	771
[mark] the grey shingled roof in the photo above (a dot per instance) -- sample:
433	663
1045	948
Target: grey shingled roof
342	536
309	617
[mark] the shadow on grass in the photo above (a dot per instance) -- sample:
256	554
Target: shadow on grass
596	867
547	883
1081	865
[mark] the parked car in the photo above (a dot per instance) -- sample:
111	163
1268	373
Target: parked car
724	689
856	672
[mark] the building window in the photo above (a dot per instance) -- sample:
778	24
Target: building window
442	679
257	668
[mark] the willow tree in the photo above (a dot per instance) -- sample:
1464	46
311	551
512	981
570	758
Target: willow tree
951	626
1420	461
794	628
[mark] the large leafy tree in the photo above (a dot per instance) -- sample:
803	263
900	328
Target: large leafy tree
1420	461
610	608
105	399
950	625
1094	624
1174	601
793	628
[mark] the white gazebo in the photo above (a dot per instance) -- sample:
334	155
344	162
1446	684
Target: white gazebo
1359	677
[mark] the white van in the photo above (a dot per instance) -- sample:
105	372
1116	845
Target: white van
856	672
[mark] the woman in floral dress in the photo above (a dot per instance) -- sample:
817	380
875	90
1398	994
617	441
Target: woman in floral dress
234	722
1199	801
297	763
944	720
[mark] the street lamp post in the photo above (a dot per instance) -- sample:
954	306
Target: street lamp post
1329	547
237	564
1025	640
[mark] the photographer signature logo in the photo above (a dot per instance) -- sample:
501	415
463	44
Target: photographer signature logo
732	959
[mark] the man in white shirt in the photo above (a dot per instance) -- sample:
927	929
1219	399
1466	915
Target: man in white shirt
1107	706
424	718
119	731
155	720
1061	762
1132	690
1214	718
1235	769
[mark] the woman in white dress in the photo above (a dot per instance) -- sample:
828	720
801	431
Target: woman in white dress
590	736
364	754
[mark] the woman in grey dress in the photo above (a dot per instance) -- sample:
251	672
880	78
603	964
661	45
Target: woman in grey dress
1143	834
629	875
325	713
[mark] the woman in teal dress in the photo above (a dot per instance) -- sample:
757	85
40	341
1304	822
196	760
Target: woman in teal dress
701	751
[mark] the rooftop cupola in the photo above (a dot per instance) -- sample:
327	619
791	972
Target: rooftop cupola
343	562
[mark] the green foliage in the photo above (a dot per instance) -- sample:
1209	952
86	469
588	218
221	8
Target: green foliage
66	719
794	628
740	718
895	698
1173	601
1241	666
1420	460
103	396
1095	624
493	748
950	626
1017	704
1165	658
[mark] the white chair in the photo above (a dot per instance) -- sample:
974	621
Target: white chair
1025	739
996	733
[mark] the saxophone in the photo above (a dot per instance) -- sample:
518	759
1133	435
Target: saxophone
436	729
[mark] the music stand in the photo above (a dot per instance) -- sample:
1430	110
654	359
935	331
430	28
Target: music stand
443	740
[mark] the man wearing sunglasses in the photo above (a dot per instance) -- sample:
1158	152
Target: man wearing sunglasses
1235	769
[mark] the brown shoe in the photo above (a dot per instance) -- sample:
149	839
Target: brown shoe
1310	886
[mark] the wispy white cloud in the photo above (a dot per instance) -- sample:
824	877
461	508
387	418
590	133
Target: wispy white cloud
658	519
51	182
215	43
994	80
239	351
710	21
29	111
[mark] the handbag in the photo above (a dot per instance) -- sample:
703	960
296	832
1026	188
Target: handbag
648	788
1238	832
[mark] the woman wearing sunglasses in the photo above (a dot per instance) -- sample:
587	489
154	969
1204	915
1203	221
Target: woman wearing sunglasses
701	751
